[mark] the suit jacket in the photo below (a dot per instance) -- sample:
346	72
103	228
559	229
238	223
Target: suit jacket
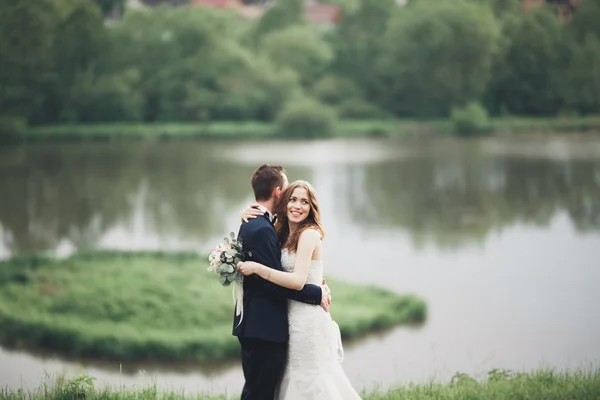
265	313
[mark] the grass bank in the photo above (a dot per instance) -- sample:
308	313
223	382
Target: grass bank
347	128
152	306
499	385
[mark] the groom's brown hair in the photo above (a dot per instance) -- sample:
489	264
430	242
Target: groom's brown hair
265	179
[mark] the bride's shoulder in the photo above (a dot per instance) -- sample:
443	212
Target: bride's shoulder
311	234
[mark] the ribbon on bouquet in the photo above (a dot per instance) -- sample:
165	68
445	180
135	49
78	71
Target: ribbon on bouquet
238	300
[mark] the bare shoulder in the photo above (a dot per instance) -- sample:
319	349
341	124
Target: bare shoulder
312	235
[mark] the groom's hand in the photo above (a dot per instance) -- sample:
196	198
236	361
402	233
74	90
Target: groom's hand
325	296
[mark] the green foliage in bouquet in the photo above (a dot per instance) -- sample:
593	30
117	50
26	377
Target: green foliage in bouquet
225	257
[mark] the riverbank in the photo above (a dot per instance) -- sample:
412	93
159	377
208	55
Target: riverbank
346	128
127	306
499	385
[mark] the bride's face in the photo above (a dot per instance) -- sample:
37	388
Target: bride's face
298	207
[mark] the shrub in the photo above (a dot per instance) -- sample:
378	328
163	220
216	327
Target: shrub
359	109
332	89
470	120
307	119
12	125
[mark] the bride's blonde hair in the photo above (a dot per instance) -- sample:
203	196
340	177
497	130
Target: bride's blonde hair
312	221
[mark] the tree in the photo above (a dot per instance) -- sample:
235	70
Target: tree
26	54
98	97
581	83
281	15
108	6
357	43
585	20
193	68
581	86
299	48
43	46
81	43
526	82
176	52
429	67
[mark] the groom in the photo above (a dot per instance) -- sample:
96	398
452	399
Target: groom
263	331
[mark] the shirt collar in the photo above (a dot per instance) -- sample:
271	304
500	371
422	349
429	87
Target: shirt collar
264	210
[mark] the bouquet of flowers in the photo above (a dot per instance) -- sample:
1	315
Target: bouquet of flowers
224	260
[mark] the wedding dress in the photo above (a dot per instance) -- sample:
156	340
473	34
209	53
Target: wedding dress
313	371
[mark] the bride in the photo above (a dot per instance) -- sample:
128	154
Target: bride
313	371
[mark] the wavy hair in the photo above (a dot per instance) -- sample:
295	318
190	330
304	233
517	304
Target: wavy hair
312	221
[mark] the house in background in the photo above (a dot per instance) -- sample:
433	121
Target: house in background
250	11
326	14
323	13
565	7
318	13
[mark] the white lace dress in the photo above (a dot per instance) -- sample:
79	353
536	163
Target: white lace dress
313	370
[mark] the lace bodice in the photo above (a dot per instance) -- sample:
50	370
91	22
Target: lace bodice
315	273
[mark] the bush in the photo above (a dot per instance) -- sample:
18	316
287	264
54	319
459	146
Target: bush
333	90
307	119
12	126
470	119
359	109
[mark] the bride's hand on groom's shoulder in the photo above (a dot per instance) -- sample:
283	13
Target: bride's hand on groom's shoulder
251	212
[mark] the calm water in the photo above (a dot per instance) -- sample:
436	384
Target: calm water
501	237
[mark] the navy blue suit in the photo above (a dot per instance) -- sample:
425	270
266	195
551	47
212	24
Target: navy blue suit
263	332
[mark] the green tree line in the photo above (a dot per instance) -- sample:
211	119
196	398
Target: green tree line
61	61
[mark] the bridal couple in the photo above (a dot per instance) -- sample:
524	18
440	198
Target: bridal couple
291	348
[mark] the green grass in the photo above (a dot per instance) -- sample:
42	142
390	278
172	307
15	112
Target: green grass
150	130
152	306
347	128
499	385
505	385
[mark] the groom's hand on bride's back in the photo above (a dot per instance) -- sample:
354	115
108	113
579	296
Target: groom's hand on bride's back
325	296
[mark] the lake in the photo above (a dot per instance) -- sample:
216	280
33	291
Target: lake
501	237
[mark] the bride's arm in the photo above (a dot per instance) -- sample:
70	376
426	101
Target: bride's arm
251	212
293	280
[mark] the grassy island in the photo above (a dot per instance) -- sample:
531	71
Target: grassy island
152	306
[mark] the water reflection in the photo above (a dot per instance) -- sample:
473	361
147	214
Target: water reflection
461	197
78	193
448	194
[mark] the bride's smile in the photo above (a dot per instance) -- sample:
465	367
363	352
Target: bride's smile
298	206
